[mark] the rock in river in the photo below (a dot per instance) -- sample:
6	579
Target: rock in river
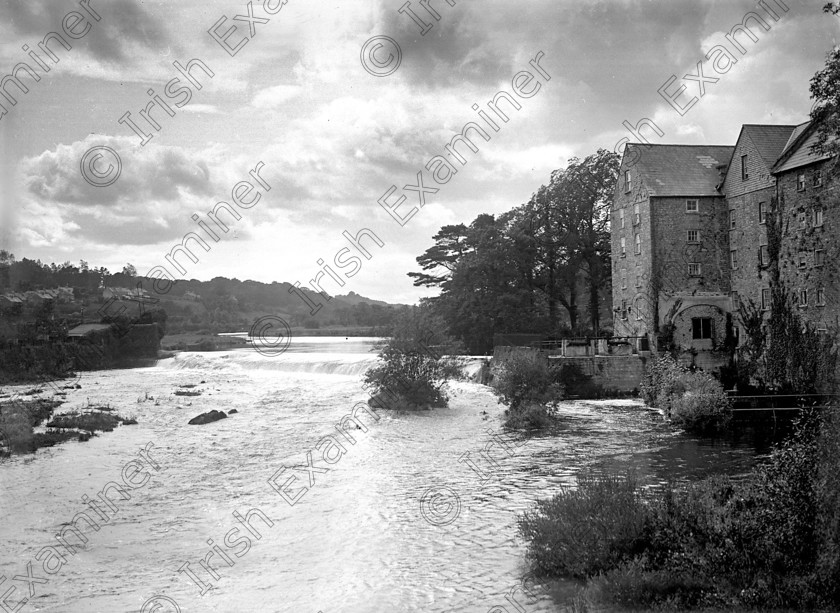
206	418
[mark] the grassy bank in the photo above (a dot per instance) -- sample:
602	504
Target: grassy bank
770	541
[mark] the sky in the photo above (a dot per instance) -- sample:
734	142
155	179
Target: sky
337	115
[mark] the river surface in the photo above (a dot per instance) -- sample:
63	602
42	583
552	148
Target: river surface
401	520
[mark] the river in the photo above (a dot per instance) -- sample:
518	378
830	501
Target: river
401	520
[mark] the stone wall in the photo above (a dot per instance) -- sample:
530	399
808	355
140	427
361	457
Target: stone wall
798	265
617	374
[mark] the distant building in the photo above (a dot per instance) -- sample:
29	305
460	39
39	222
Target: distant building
191	296
669	241
689	234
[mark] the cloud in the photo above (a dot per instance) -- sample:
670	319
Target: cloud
158	190
273	97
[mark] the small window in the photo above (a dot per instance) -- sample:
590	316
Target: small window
621	217
628	181
803	223
638	280
623	281
818	217
694	236
803	297
803	260
763	255
731	219
693	269
701	327
765	299
800	182
638	244
691	206
623	309
820	296
817	177
623	247
762	212
637	217
819	257
744	174
733	258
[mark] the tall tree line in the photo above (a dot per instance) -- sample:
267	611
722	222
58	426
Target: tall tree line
542	267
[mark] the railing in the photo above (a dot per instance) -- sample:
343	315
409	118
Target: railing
584	346
781	402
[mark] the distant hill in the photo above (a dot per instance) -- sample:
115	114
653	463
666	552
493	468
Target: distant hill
218	305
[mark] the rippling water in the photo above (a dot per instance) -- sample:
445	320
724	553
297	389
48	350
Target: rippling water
359	539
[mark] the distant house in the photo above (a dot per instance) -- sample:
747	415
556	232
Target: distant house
192	296
88	331
10	300
118	293
66	294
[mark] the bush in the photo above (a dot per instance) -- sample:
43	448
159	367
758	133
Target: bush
585	530
532	416
698	403
412	371
660	374
526	378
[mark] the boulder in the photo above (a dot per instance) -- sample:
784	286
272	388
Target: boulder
206	418
232	411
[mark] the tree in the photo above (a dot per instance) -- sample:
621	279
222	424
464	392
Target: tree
129	270
825	89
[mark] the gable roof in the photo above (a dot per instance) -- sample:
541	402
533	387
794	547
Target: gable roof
85	329
769	140
679	170
798	152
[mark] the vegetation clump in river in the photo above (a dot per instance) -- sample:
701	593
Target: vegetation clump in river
771	540
412	371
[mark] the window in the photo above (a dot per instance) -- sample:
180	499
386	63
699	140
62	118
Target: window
802	220
803	260
818	217
623	281
800	182
623	247
820	296
638	280
763	256
623	309
817	177
819	257
733	258
693	269
701	327
621	217
765	299
637	218
762	212
694	236
628	181
744	174
691	206
803	297
638	243
731	219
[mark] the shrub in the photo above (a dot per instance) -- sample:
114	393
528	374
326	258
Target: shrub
525	378
585	530
660	374
532	416
698	403
412	372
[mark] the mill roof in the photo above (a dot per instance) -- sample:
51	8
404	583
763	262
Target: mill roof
679	170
